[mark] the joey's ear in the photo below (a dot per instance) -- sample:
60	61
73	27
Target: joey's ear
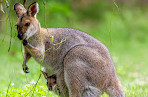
45	74
19	9
33	9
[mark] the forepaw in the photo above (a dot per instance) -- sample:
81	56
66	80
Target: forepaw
25	69
25	42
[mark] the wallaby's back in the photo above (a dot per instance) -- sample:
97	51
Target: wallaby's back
73	38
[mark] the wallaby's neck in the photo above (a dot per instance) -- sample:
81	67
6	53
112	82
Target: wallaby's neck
37	37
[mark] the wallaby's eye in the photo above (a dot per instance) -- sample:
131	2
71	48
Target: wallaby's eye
27	24
47	82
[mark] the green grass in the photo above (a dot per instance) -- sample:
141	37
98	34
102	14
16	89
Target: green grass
124	33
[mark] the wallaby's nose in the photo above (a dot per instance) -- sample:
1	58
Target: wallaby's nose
20	36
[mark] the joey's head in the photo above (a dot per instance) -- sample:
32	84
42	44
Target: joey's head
51	81
27	23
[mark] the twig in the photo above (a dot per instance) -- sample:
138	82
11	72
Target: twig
11	30
8	88
44	2
34	86
24	3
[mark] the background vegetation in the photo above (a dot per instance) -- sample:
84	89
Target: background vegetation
121	26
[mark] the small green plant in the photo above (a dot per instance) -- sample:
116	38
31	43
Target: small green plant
28	91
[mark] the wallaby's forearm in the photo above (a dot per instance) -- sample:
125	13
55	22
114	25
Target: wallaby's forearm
28	48
27	56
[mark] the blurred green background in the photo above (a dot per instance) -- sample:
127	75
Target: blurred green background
121	25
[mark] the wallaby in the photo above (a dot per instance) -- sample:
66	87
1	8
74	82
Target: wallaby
82	64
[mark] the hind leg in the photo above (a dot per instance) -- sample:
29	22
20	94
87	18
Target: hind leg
80	73
73	82
76	81
77	88
61	85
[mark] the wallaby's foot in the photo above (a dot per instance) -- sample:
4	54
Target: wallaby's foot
25	68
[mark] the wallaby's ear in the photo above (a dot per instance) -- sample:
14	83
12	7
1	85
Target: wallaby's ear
45	74
19	9
33	9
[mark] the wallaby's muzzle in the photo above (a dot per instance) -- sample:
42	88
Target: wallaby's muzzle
20	35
